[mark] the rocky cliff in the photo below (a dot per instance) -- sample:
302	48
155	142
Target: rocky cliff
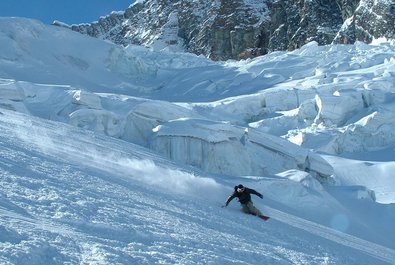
236	29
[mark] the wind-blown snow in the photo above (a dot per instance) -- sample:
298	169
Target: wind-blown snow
113	155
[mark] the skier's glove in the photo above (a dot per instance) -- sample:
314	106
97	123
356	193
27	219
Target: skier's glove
260	196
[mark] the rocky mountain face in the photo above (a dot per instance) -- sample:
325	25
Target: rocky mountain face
237	29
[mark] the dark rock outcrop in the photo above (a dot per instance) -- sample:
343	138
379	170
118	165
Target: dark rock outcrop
236	29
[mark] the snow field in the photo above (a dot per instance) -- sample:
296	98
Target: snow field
60	209
113	155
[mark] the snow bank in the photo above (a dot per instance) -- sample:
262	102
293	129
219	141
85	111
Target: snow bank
372	132
98	120
144	117
130	63
335	110
227	149
302	177
87	99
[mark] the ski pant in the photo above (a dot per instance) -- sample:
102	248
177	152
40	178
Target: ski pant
251	209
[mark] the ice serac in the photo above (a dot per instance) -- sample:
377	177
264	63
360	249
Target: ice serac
237	29
227	149
144	117
370	133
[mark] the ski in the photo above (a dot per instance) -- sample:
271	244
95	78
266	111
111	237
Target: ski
264	217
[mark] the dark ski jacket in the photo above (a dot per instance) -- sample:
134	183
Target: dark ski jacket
244	197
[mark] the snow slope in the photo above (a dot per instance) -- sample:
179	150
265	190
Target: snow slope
114	155
108	202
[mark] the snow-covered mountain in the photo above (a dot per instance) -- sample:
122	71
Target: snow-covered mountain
237	29
124	155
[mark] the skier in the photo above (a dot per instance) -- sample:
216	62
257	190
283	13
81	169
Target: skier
244	195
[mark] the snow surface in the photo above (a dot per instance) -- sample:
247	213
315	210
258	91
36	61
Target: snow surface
113	155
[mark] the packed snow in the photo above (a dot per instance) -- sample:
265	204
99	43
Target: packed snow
125	155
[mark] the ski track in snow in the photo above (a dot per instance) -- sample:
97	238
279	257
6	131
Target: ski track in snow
372	249
58	211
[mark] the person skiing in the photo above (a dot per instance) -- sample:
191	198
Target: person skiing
244	195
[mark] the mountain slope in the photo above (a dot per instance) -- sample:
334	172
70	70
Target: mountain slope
113	155
237	29
61	205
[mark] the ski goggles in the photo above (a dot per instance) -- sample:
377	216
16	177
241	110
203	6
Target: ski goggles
240	189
